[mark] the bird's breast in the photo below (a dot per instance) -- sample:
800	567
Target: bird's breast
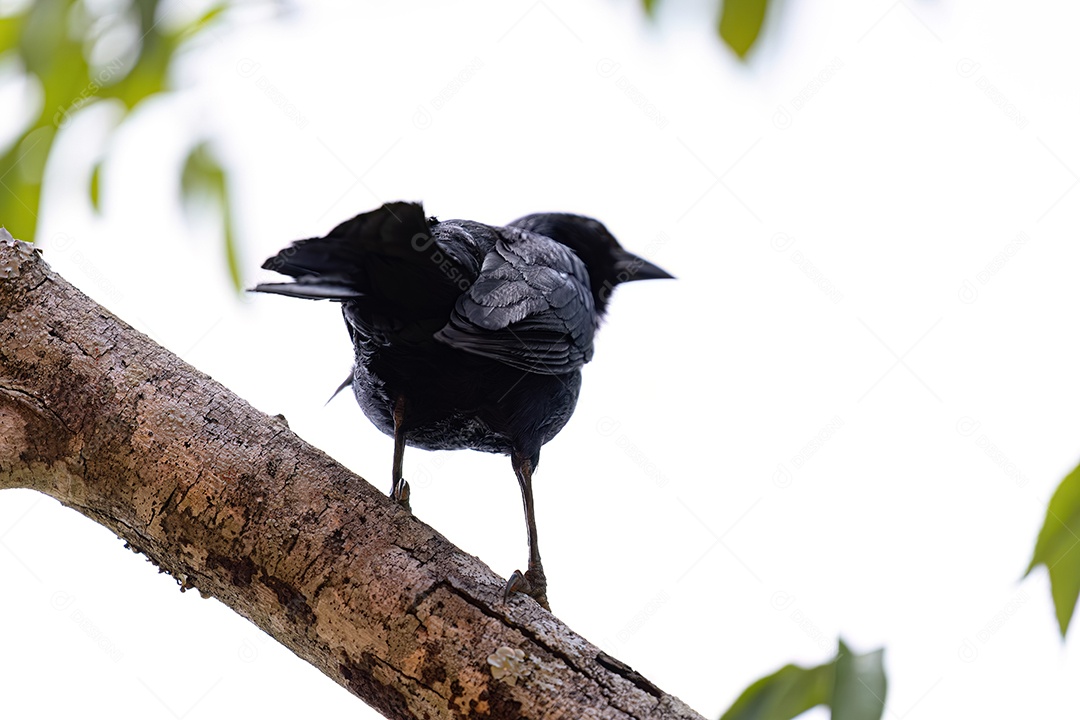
454	400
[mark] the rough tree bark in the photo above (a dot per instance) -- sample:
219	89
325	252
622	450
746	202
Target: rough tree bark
230	502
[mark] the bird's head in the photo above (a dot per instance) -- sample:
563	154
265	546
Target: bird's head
607	262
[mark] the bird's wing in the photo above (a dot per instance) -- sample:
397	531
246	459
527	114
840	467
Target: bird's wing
530	307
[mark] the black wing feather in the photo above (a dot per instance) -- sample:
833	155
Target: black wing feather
530	307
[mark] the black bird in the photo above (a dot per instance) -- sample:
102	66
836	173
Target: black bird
466	335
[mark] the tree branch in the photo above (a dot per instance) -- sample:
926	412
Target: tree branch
231	502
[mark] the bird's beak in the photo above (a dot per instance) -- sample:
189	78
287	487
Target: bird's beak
631	267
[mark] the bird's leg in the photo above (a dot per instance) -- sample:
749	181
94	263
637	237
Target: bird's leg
399	490
533	582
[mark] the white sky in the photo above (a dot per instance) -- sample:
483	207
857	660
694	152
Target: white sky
845	417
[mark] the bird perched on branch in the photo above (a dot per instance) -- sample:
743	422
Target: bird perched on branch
466	335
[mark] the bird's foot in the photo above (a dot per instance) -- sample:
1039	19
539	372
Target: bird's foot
400	493
533	583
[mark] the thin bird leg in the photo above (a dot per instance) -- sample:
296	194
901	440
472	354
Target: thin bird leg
399	490
533	582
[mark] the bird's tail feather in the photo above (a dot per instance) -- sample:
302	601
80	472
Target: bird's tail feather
332	266
311	290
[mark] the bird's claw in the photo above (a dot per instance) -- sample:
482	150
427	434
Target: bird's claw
400	493
532	583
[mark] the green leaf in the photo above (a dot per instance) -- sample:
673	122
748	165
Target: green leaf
33	152
42	36
10	27
790	691
1057	548
199	24
95	186
232	255
22	168
852	685
204	176
19	199
740	24
859	690
52	38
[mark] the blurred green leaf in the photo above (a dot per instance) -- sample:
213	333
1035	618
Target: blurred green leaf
18	199
33	151
790	691
10	27
204	177
1057	548
740	23
95	186
53	39
859	690
232	255
852	685
202	174
42	38
205	19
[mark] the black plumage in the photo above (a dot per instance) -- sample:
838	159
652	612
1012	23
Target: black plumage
466	335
